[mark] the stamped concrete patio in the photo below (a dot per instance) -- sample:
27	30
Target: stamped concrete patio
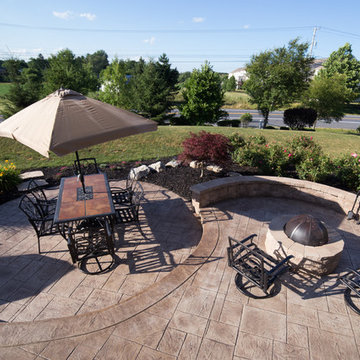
171	294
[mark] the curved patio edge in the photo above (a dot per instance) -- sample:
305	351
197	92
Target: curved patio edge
211	192
24	333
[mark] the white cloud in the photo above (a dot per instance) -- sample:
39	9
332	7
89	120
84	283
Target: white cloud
65	15
150	41
88	16
246	26
198	19
62	15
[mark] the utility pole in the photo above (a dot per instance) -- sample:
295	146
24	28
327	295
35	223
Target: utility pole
313	42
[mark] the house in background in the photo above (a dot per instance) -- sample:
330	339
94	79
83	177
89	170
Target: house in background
316	66
241	76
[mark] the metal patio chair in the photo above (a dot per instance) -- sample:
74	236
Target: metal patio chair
127	205
86	166
90	243
39	217
46	205
352	292
123	195
255	265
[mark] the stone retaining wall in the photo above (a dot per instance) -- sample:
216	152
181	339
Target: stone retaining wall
269	186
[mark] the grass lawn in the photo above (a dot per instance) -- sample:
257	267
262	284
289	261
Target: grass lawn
238	100
167	142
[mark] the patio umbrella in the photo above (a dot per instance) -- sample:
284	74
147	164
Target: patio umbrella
67	121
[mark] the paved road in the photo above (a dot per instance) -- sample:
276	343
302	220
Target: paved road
275	119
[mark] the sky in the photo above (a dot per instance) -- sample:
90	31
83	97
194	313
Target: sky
226	33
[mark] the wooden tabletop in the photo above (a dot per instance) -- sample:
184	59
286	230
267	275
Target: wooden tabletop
69	207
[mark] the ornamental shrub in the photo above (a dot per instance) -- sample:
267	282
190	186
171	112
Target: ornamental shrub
317	168
9	176
206	148
236	141
230	123
303	147
245	119
347	171
298	118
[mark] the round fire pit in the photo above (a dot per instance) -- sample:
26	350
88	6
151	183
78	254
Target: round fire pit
315	246
306	230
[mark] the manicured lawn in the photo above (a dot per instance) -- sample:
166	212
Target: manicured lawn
167	142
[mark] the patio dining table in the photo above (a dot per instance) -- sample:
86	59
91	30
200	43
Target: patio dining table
80	216
73	204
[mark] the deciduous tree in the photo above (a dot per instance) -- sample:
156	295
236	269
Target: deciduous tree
327	96
278	77
344	62
117	85
203	97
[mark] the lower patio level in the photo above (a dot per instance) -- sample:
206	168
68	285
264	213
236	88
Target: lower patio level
172	295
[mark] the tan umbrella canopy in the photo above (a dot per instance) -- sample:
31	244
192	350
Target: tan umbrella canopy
67	121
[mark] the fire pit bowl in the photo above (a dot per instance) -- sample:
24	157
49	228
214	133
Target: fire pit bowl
319	258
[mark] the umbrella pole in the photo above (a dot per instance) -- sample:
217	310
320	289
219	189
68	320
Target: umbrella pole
81	175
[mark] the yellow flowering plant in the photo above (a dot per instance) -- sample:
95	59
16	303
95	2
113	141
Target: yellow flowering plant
9	176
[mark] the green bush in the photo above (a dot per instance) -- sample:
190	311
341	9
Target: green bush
236	141
232	123
298	118
9	176
347	170
245	119
316	169
300	157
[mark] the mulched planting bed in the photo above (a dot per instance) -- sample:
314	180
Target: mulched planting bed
179	180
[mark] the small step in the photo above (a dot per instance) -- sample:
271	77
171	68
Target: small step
32	175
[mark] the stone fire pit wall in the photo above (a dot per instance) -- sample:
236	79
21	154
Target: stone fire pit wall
211	192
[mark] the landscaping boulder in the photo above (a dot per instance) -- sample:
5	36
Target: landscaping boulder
157	167
139	172
214	168
173	163
195	164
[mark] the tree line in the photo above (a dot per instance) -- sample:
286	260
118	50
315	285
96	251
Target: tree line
276	78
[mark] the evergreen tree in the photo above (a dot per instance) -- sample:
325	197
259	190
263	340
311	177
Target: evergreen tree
154	88
70	72
26	88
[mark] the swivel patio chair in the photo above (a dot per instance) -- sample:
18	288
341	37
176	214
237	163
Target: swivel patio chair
123	195
255	265
39	217
86	166
352	292
127	206
46	205
91	244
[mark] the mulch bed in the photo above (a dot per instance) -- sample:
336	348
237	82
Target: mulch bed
179	180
